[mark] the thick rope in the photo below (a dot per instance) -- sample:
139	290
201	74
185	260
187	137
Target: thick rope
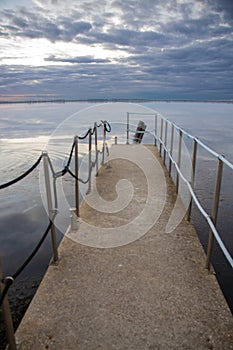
8	281
12	182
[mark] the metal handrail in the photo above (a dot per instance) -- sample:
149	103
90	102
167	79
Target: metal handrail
162	145
201	209
211	219
207	148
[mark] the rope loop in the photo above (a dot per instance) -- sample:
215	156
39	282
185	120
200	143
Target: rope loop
107	126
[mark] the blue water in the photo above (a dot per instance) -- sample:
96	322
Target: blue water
26	129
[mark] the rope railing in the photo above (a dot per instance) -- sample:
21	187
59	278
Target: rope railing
52	203
21	177
9	280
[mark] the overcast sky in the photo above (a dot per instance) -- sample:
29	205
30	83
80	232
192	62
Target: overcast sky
156	49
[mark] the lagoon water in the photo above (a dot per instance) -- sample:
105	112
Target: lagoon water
26	129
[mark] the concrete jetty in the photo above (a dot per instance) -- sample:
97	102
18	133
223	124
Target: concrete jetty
145	288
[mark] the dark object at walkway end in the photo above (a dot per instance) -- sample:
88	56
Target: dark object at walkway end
139	132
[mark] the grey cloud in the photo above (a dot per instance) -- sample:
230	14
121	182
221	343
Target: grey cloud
26	23
202	28
223	6
124	37
188	56
168	73
80	59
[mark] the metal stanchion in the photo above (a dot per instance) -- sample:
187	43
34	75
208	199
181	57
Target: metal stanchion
96	151
104	140
161	137
127	130
89	162
194	157
214	211
171	149
156	126
165	143
7	316
76	176
50	205
179	160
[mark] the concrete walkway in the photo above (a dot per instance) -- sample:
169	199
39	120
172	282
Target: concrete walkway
151	292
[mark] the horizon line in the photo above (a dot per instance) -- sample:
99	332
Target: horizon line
64	100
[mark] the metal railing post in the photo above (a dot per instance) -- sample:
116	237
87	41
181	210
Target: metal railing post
171	149
179	160
214	211
76	176
194	158
161	137
50	205
165	143
89	162
7	316
127	129
156	127
104	140
96	151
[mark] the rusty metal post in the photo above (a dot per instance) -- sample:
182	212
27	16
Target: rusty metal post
50	205
194	158
76	176
214	211
7	316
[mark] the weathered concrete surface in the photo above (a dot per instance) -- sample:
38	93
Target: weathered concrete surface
153	293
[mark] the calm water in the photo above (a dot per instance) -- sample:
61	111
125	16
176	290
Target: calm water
25	129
